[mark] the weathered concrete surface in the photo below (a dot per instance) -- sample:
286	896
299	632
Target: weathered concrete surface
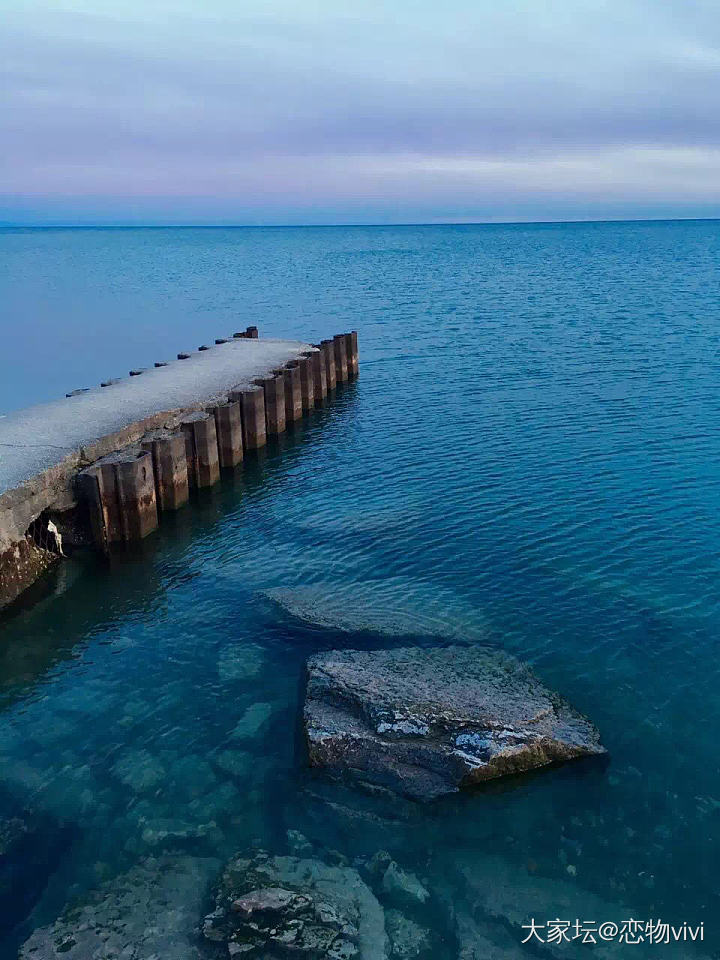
426	722
43	447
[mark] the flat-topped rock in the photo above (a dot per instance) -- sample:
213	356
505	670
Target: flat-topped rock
427	722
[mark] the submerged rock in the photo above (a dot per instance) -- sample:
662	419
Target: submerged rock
139	770
240	661
396	606
147	913
276	907
403	886
426	722
253	721
160	831
408	940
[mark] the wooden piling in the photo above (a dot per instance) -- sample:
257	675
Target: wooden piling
274	388
340	351
328	351
112	527
169	460
201	450
307	383
319	373
228	427
251	333
120	493
136	496
293	392
252	412
352	353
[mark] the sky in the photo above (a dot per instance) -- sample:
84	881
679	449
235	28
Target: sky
358	111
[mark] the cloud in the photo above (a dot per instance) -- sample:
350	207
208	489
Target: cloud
399	103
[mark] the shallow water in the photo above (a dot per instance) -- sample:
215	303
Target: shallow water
529	458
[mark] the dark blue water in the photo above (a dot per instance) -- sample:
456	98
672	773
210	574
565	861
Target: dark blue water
530	458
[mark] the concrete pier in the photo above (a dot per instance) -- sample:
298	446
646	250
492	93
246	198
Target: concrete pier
114	458
170	468
201	450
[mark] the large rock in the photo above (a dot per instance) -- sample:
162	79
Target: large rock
276	907
426	722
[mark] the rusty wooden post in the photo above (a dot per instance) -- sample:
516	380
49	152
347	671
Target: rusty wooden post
328	350
170	467
201	449
307	382
136	495
120	493
252	411
352	353
228	427
274	388
293	392
317	358
340	351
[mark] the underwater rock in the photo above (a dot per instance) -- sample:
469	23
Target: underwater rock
426	722
240	661
162	829
237	763
151	911
504	897
139	770
252	722
396	607
483	940
408	940
217	803
275	907
403	886
190	778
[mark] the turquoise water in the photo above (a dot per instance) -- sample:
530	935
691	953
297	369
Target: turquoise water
529	458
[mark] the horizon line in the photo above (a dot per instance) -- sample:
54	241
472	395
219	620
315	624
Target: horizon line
100	225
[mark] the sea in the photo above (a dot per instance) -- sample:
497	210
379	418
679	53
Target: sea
529	459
